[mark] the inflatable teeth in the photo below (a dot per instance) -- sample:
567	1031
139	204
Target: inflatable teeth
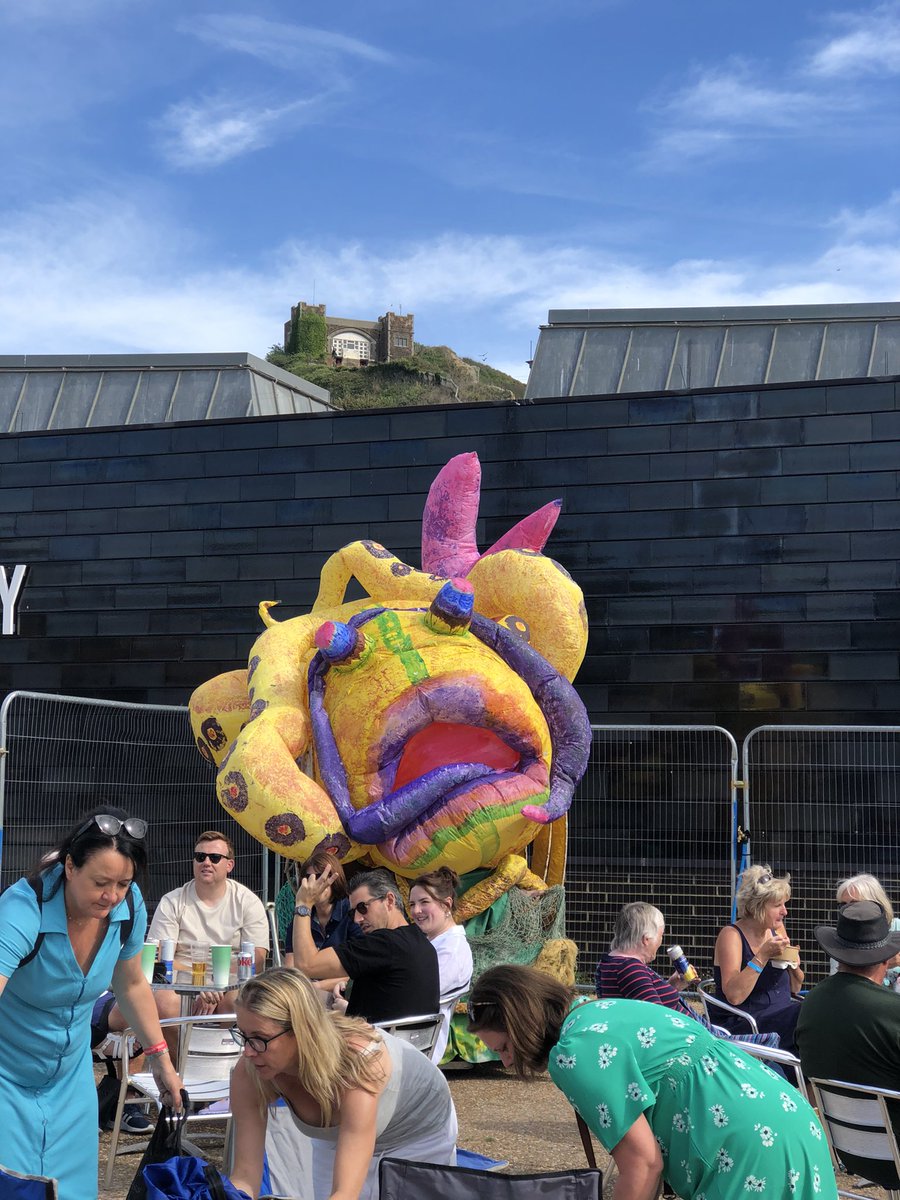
424	725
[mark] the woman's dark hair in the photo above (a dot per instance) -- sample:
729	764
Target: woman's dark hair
316	864
86	838
525	1004
440	884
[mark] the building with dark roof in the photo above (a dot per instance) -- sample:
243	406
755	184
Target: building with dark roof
590	352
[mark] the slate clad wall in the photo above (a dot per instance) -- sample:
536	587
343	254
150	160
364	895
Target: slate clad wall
738	550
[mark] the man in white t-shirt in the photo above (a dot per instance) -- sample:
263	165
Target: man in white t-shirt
213	910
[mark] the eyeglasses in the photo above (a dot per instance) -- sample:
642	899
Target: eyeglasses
363	907
259	1045
200	857
111	825
473	1009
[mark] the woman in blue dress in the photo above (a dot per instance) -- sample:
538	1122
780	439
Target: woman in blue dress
68	930
663	1095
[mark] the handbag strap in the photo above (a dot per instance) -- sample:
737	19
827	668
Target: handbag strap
586	1142
214	1183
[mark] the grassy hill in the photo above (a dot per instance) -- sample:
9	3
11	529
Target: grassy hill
433	375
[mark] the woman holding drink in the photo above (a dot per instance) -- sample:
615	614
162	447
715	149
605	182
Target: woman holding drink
755	966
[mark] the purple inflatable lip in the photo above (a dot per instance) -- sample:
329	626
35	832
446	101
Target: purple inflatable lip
556	698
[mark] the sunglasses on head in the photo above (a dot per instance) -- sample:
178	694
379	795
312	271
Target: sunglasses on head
201	856
363	906
110	825
472	1010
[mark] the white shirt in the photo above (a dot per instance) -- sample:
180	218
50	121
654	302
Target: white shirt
238	917
455	971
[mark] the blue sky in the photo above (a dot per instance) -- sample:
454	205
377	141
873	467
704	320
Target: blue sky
176	174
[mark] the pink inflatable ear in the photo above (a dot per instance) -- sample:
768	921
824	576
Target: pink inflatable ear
451	513
531	533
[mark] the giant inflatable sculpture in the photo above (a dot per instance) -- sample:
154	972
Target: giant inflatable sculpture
432	722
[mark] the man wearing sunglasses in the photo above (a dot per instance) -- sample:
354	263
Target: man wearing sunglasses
213	910
393	968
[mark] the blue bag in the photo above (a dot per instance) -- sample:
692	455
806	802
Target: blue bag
188	1178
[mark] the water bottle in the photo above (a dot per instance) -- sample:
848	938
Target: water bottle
681	964
245	962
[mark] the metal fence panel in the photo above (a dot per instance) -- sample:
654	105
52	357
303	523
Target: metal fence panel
653	819
824	803
61	755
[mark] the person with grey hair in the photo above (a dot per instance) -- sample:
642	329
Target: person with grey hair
625	972
755	967
393	968
867	887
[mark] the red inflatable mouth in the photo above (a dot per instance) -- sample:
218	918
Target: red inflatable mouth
443	743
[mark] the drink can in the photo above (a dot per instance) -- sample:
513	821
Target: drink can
246	957
167	957
681	964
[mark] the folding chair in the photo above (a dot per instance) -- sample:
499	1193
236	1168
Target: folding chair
859	1131
421	1031
784	1058
206	1058
27	1187
274	935
448	1008
402	1180
707	1000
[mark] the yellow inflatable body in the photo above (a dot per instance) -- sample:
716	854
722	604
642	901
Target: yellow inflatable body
431	723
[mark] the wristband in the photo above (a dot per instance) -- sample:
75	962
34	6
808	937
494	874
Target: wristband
159	1048
753	967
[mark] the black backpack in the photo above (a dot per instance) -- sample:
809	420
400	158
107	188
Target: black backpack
37	886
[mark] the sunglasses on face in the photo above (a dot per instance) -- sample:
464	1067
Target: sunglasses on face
363	906
259	1045
133	826
200	857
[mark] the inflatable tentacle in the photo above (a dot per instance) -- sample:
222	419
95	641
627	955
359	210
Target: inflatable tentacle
531	532
379	572
259	781
540	591
449	546
562	709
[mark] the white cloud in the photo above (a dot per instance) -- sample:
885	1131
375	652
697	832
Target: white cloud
278	43
729	95
870	45
197	134
130	281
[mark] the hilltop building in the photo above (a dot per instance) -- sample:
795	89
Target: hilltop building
353	342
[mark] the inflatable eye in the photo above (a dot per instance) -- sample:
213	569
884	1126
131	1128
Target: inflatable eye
451	609
340	645
517	626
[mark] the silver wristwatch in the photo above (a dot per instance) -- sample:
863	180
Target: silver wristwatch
301	910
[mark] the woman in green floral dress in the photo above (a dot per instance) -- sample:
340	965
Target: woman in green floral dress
661	1093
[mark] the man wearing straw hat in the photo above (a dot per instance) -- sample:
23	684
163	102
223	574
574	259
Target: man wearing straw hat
849	1024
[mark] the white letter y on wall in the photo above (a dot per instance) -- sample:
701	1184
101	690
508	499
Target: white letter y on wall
9	595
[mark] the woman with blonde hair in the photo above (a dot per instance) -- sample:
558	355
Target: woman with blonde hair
432	899
867	887
755	967
355	1092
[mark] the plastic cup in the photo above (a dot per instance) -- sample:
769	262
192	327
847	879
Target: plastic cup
148	958
199	957
221	965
